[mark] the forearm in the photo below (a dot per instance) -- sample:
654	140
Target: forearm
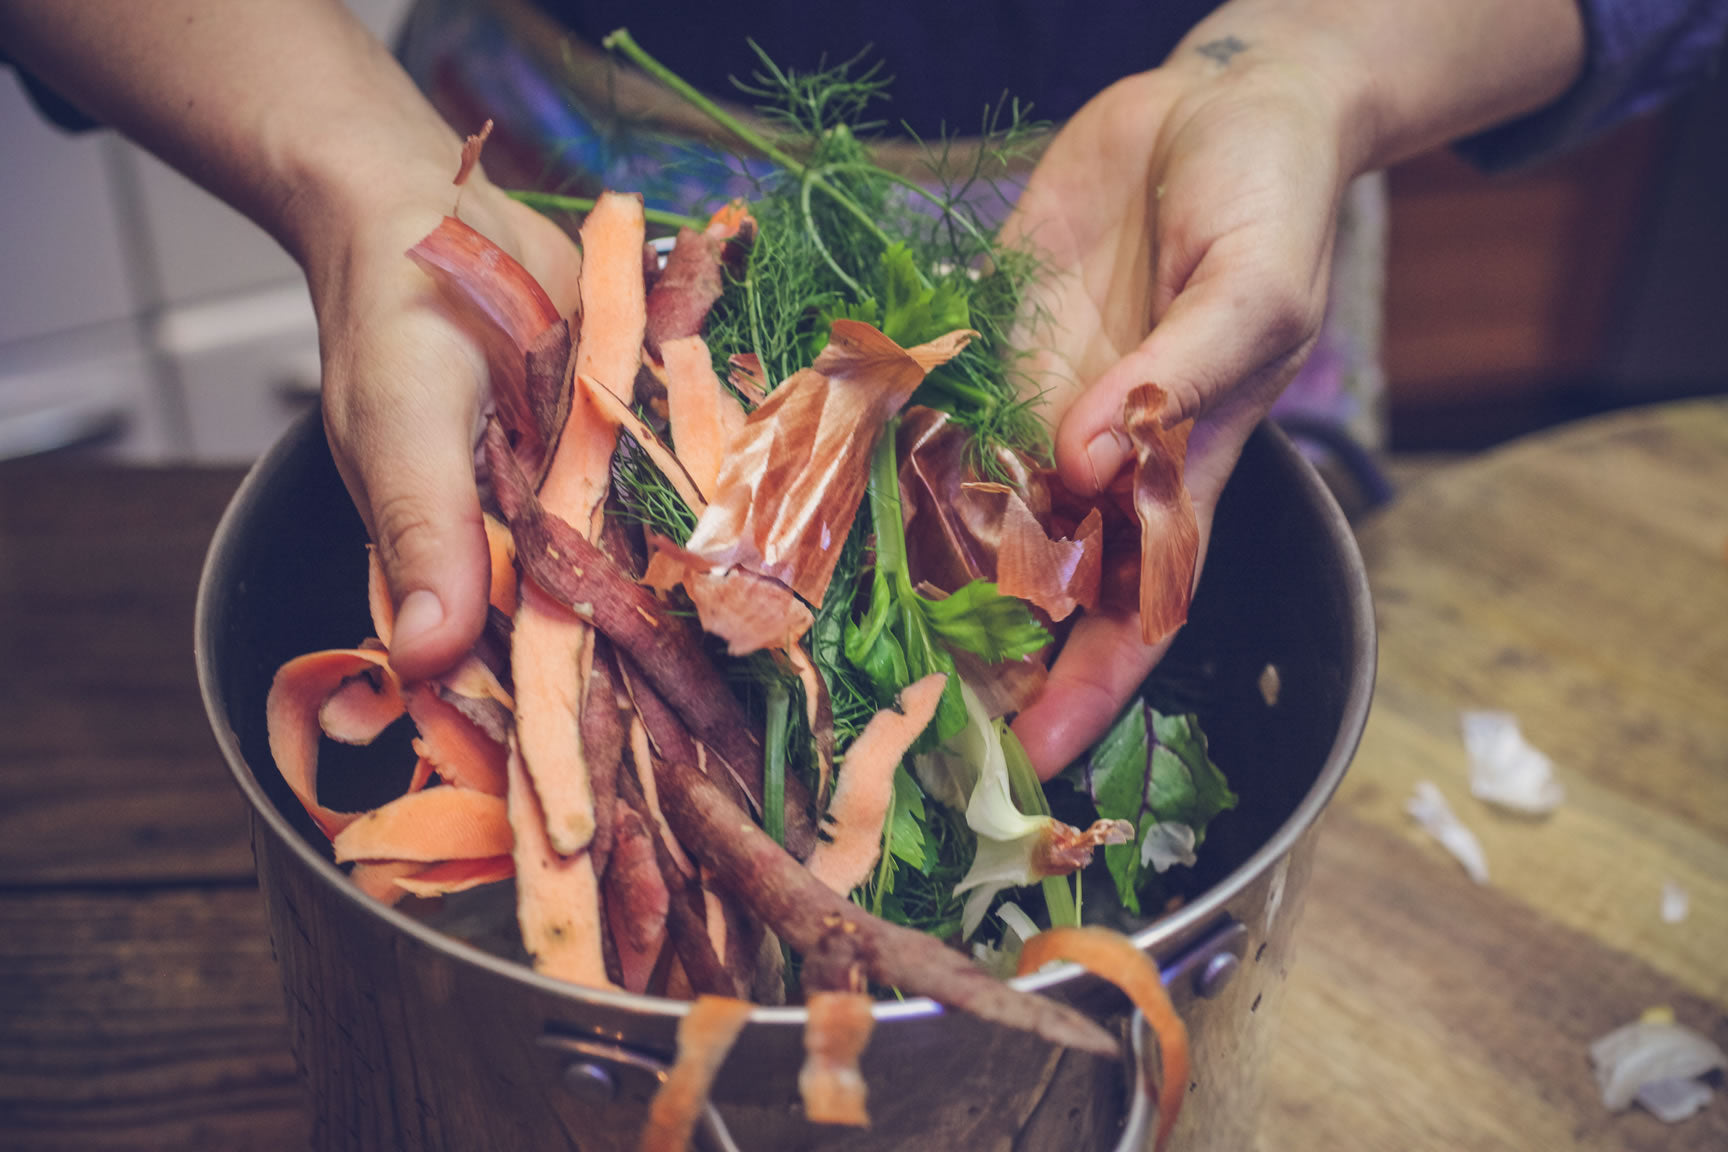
1408	74
290	111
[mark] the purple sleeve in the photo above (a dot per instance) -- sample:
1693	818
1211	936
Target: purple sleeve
1639	53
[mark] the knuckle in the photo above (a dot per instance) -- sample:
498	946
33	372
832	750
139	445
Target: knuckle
1291	316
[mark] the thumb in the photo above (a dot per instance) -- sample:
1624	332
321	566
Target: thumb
405	451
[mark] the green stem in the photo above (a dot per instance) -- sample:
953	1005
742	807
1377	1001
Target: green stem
911	185
552	202
885	507
982	398
622	41
884	866
1060	899
774	768
815	179
815	235
1059	902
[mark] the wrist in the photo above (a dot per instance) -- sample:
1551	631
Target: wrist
1249	42
1408	76
371	151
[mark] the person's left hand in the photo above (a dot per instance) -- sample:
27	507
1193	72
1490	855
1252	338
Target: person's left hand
1185	217
405	385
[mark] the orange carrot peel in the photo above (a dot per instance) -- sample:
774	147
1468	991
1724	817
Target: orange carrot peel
1113	957
705	1036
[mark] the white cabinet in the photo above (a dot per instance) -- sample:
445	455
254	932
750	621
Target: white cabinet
136	304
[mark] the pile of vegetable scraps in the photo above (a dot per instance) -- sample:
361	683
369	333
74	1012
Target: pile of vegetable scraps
776	552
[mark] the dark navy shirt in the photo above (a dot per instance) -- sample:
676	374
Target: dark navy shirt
948	60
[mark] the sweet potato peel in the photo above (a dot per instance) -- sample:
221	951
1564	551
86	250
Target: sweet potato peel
636	900
798	908
1114	957
836	1032
577	574
690	283
1169	531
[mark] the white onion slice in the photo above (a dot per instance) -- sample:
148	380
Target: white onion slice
1676	903
1672	1101
1505	769
1429	809
1648	1052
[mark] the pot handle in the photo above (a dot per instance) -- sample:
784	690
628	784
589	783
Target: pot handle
1142	1106
600	1071
1201	972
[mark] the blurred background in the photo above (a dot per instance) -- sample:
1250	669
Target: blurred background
143	320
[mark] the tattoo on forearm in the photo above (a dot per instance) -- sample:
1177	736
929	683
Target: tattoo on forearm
1222	51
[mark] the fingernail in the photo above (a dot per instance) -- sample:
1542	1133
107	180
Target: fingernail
420	613
1106	453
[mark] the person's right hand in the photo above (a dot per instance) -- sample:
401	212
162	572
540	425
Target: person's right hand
404	389
1185	217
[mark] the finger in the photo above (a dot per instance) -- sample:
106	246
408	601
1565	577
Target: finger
403	437
1104	663
1100	668
1220	347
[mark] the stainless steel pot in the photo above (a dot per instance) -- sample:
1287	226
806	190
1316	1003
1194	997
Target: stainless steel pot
408	1038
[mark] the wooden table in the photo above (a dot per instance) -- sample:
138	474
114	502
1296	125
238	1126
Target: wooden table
1578	580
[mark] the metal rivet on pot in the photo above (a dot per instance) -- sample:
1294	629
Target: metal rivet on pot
590	1082
1216	974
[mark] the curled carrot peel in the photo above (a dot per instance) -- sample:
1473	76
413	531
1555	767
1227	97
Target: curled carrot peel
459	750
297	696
381	879
361	708
705	1036
431	825
457	876
1113	957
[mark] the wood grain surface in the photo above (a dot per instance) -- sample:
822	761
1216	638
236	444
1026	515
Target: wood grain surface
1578	579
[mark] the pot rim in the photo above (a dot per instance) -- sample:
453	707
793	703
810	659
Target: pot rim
1182	925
